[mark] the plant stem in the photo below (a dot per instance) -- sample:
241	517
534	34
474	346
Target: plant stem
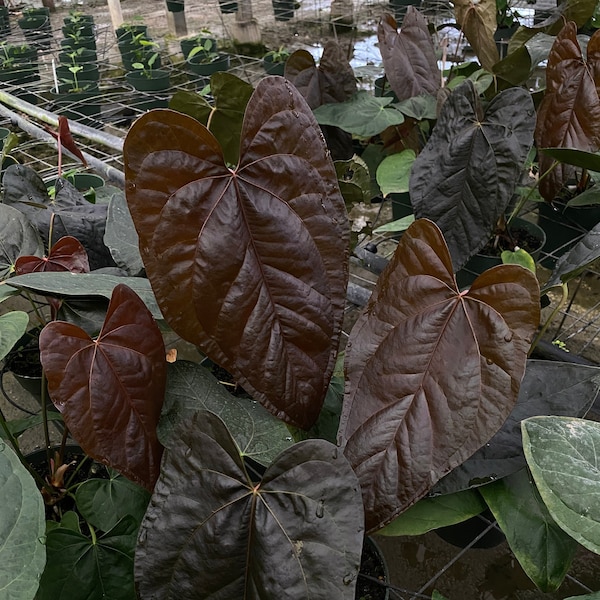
542	331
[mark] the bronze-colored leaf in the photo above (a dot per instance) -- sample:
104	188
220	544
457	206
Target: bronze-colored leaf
408	55
66	255
248	263
432	372
110	390
569	115
478	22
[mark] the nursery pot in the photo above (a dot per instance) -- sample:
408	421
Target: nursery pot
87	43
188	44
130	57
7	162
283	9
382	88
88	72
83	106
207	69
37	30
372	565
86	183
152	89
83	56
273	68
175	5
84	29
481	262
128	33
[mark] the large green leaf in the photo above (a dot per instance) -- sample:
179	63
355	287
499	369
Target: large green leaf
22	525
393	172
18	237
191	387
249	264
548	388
575	157
569	115
408	55
121	237
439	511
468	171
85	285
562	454
104	502
212	532
363	115
432	373
80	568
542	548
12	326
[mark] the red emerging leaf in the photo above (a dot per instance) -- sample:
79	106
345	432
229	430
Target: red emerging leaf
432	373
66	255
110	390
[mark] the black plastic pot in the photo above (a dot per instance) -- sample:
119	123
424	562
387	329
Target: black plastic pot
175	5
82	56
205	70
372	566
273	68
86	72
70	44
127	33
153	90
37	30
283	9
83	106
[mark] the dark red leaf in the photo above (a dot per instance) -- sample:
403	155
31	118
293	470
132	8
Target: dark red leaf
66	139
569	115
247	263
432	373
110	390
66	255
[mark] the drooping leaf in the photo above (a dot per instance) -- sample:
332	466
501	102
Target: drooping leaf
22	524
548	388
571	264
225	117
104	502
249	264
84	285
542	548
292	534
432	373
12	326
110	390
81	569
440	511
191	387
121	237
467	173
562	454
18	237
363	115
569	115
65	139
515	67
393	172
408	55
66	255
575	157
478	22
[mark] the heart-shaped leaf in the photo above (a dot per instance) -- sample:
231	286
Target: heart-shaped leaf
569	115
66	255
80	568
432	373
22	525
18	237
110	390
393	173
468	171
562	454
13	325
191	387
478	22
247	263
542	548
408	55
292	534
548	388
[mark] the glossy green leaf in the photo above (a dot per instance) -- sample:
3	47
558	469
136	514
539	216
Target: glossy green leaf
291	534
467	173
18	237
22	527
12	326
364	115
104	502
588	197
393	172
518	257
80	568
439	511
247	263
191	387
542	548
85	285
412	412
548	388
562	454
395	226
121	237
575	157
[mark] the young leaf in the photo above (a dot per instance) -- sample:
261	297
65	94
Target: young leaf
468	171
22	526
569	115
562	454
110	390
66	255
432	373
290	535
247	263
478	22
408	55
